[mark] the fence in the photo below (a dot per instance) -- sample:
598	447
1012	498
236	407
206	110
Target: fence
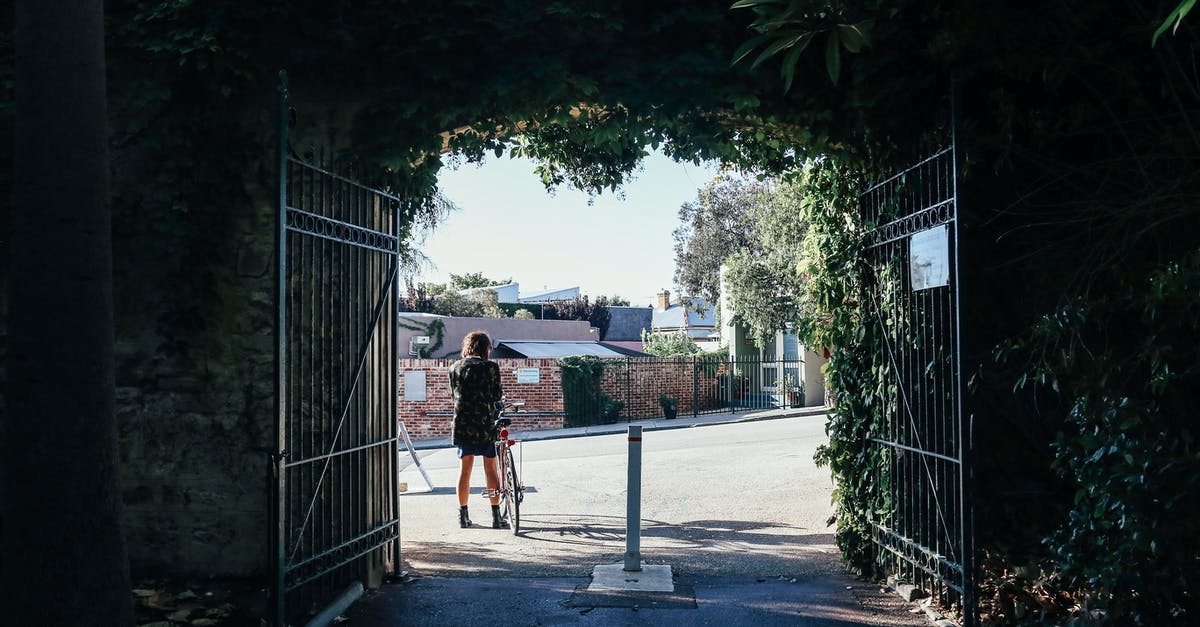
335	513
582	391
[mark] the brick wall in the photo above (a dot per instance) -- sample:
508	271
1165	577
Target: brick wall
639	382
432	418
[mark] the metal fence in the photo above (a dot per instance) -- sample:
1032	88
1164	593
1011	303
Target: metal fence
335	517
634	388
925	529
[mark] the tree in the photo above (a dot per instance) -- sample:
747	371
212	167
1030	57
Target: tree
717	224
440	299
580	308
765	279
473	280
64	558
668	344
616	301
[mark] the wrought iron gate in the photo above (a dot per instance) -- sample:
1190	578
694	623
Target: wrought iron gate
925	529
334	472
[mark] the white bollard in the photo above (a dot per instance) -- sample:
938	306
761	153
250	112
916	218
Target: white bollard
633	507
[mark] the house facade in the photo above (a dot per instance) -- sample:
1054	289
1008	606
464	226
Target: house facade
697	319
782	364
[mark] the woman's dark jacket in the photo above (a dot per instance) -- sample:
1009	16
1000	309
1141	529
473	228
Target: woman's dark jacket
475	386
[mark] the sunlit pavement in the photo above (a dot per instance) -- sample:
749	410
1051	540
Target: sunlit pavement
737	509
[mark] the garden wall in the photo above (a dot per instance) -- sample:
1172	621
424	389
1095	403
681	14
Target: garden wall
431	418
639	382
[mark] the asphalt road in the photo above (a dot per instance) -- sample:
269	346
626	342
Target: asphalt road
737	511
730	500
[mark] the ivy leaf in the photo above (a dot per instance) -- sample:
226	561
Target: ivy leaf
833	58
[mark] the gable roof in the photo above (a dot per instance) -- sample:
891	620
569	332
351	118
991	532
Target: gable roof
678	316
627	323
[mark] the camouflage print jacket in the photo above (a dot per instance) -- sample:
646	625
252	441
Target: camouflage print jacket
475	386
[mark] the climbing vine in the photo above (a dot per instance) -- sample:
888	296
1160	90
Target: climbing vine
436	328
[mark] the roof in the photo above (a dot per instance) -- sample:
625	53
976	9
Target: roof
505	348
627	323
541	297
673	317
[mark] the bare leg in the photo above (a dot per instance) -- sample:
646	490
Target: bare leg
491	469
464	478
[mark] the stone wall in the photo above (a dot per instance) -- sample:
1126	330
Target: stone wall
433	417
195	408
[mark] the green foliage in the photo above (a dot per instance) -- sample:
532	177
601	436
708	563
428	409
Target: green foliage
830	259
668	344
719	222
1126	362
442	300
473	280
764	280
792	25
436	329
616	301
1174	19
581	308
524	314
584	403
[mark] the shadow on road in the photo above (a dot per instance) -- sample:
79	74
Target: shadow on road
566	545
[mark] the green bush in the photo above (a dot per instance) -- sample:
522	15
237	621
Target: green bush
1127	365
584	403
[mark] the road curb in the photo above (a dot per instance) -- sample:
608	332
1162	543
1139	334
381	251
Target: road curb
650	425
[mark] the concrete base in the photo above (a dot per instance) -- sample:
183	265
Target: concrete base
651	578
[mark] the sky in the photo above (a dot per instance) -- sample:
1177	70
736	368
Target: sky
509	226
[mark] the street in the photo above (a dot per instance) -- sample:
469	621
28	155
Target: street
736	510
729	500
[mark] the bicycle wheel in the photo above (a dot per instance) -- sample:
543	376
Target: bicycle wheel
512	493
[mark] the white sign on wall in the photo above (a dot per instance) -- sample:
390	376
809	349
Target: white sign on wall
414	385
929	258
529	375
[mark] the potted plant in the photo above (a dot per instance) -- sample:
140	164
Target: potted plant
795	393
736	383
670	406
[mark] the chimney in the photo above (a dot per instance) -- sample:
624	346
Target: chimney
664	299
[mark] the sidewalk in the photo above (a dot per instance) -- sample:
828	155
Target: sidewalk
653	424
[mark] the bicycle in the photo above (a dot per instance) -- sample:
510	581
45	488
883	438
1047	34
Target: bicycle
511	491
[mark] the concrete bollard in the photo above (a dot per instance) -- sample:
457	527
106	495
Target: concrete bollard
633	507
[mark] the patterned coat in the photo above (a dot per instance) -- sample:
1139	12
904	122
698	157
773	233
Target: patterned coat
475	386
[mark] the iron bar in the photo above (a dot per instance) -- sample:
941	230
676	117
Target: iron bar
334	483
918	451
380	530
926	534
340	452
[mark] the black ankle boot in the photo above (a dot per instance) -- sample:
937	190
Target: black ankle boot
464	521
497	521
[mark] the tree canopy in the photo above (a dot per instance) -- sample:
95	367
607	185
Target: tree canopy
718	223
472	280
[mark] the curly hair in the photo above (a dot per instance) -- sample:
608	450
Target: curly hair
476	343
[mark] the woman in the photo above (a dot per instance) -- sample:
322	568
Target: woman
475	387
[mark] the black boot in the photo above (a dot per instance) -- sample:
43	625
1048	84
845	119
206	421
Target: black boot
464	521
497	521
